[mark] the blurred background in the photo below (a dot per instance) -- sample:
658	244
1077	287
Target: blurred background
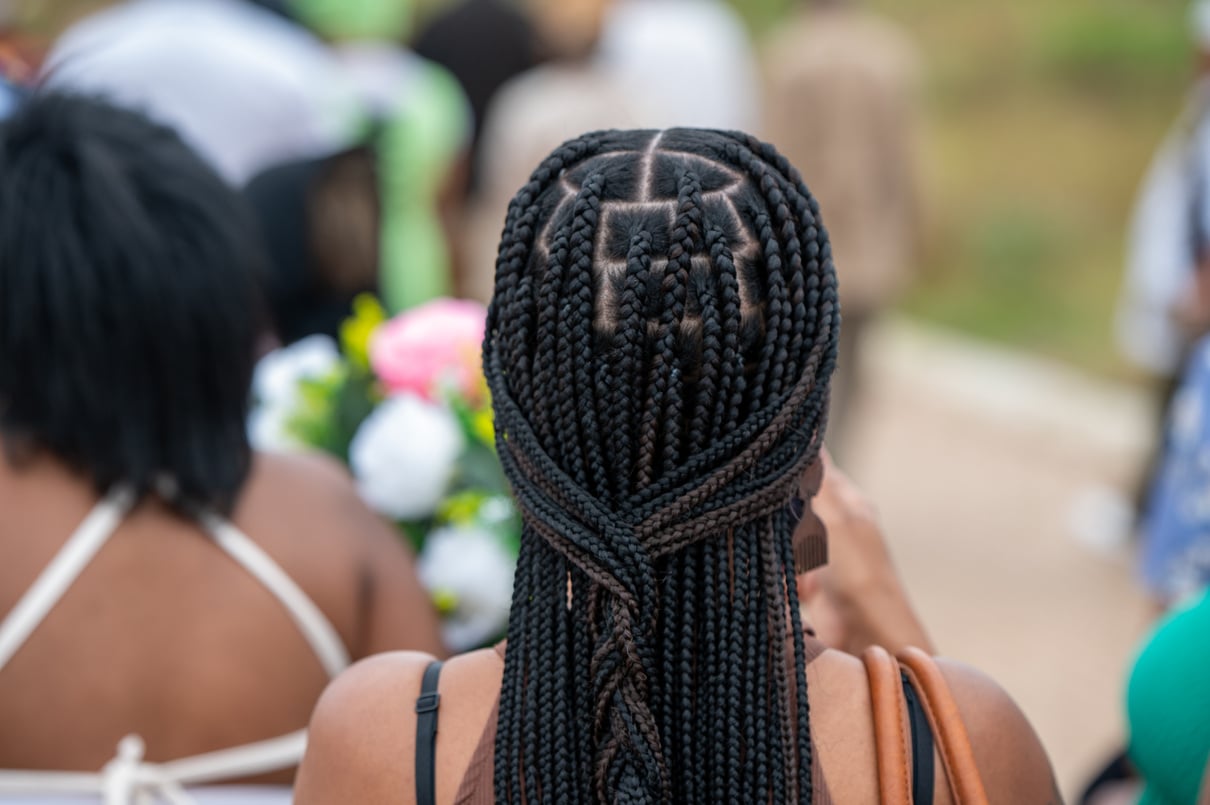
999	428
1041	118
1039	121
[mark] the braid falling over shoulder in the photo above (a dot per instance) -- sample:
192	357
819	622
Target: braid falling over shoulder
659	347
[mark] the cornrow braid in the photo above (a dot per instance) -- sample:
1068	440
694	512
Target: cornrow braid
659	348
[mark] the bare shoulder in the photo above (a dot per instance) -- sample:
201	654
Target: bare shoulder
1010	758
306	511
362	731
306	501
1009	754
304	471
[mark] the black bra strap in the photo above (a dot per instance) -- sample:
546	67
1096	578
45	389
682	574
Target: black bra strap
426	736
922	747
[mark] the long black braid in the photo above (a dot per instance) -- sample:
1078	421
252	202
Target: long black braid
659	347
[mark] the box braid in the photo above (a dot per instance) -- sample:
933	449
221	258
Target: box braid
659	347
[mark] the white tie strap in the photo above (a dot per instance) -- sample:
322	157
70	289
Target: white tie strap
128	779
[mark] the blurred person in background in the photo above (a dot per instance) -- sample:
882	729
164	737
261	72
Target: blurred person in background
1164	303
1168	706
1165	299
1167	714
166	591
537	110
1174	558
655	49
841	86
1168	700
320	221
1163	310
245	87
1168	695
418	122
255	92
484	44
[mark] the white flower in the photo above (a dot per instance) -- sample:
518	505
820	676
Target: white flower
275	381
403	456
470	569
275	385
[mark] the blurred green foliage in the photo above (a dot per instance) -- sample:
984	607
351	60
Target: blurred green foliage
761	15
1116	45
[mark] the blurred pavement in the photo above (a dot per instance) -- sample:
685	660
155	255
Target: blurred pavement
993	475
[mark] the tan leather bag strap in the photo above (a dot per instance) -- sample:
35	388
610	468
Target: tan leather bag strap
949	733
890	733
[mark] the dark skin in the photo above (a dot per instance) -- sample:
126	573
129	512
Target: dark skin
858	599
357	744
165	636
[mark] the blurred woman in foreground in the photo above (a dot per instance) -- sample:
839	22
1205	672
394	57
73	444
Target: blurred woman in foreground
167	593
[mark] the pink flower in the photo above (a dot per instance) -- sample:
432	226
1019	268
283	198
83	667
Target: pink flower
432	349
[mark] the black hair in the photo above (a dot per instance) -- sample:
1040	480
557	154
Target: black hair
659	348
129	309
318	221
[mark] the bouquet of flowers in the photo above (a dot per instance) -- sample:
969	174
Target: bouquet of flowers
404	404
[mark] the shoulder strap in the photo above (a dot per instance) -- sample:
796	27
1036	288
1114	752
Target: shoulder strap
426	736
890	739
315	626
965	782
923	750
63	570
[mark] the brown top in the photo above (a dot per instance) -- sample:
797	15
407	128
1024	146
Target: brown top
477	787
840	91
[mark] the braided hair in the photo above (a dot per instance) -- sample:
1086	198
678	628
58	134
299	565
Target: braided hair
659	345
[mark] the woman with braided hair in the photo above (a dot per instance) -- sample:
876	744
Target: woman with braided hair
659	347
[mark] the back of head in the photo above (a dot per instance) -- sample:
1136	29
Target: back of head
659	347
128	302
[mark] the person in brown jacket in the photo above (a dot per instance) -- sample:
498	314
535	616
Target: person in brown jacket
841	105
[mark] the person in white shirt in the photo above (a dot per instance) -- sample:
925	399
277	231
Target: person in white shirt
685	62
1163	306
243	86
532	113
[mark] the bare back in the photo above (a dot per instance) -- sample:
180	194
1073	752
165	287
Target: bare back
164	635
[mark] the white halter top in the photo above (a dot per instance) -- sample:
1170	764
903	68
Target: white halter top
128	779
